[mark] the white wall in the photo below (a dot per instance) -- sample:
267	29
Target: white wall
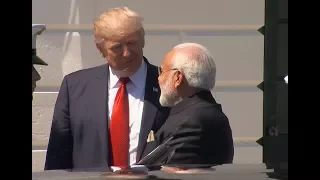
238	53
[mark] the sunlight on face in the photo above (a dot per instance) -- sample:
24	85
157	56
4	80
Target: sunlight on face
169	96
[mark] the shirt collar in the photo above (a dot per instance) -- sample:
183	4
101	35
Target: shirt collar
138	78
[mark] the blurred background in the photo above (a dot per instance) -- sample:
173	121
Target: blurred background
228	28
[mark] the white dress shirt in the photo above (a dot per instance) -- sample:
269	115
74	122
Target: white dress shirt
135	89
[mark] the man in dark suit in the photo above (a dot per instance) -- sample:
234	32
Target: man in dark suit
202	134
103	115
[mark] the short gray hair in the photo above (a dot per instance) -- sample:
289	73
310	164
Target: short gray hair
196	63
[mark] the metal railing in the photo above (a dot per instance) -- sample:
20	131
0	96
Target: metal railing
53	88
150	28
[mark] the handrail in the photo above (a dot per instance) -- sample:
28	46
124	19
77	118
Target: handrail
240	83
89	27
53	89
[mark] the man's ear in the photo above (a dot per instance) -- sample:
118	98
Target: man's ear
178	79
143	42
100	49
142	37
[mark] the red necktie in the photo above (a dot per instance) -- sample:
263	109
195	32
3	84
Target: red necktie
119	126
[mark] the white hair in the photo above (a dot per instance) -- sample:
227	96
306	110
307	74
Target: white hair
196	63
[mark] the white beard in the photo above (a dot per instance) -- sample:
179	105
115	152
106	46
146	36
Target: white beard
169	97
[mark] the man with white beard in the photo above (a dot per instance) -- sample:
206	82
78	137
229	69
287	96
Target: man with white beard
201	130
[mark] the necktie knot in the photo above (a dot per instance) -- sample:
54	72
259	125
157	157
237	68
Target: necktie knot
124	80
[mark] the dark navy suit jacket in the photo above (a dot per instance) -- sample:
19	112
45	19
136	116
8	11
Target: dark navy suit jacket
202	133
79	137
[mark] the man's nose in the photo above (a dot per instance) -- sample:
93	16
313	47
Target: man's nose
126	51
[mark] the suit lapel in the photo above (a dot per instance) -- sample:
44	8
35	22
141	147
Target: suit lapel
102	85
152	92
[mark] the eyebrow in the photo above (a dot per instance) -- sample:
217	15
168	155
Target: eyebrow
114	44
